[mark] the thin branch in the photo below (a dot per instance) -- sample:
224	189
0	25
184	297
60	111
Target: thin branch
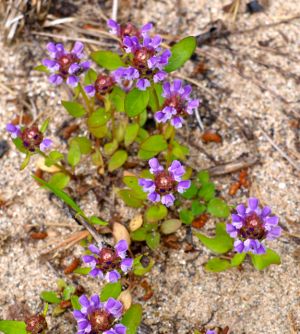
114	12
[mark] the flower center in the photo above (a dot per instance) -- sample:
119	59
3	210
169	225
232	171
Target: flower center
253	228
141	57
164	182
103	84
100	321
108	259
32	137
65	61
36	324
176	102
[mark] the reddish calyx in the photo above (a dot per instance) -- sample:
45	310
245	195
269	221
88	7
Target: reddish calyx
253	227
104	84
36	324
32	138
100	321
164	182
65	61
108	259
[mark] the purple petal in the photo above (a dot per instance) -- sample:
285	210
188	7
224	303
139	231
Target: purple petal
83	300
186	91
145	28
52	65
94	249
159	76
112	276
241	209
253	203
90	90
45	144
272	221
88	258
114	27
126	264
177	86
51	47
120	329
78	49
183	186
74	68
161	117
231	230
143	84
72	81
96	273
265	211
121	247
14	130
177	170
177	122
154	197
147	184
274	233
95	300
114	307
55	79
168	200
239	246
85	65
155	166
78	315
166	89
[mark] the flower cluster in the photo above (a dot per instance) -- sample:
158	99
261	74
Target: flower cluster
108	262
99	318
32	137
145	57
177	103
64	65
36	324
165	182
250	225
103	85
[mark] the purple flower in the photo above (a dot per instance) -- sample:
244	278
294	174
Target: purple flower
14	130
103	84
211	332
165	183
108	263
98	317
128	29
177	105
251	225
64	65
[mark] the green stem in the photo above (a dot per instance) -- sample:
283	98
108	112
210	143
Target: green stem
156	100
86	98
60	167
170	147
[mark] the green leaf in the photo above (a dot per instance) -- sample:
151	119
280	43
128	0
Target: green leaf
142	135
238	259
12	327
41	68
131	132
90	77
186	216
53	158
107	59
203	176
262	261
98	118
96	221
136	102
110	290
217	265
152	98
117	160
132	318
198	208
85	145
60	194
82	270
132	182
75	302
128	197
139	235
19	145
75	109
74	154
170	226
221	243
139	267
25	161
181	52
153	239
117	97
58	310
119	131
156	213
146	155
97	158
59	180
180	151
68	291
45	125
218	208
190	192
50	297
207	191
156	143
111	147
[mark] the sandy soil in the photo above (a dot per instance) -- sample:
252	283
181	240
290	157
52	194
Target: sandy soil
251	87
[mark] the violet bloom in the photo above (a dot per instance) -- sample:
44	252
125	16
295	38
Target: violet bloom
165	183
251	225
32	137
177	105
108	262
97	317
103	85
128	29
64	65
211	332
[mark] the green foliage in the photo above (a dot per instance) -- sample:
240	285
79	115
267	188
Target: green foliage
97	221
218	208
59	180
131	133
221	243
117	97
191	192
136	102
75	302
156	213
179	151
198	208
75	109
74	154
42	68
117	160
97	123
25	161
107	59
262	261
132	318
19	145
207	191
128	196
238	259
44	126
170	226
85	145
90	77
110	290
152	146
111	147
12	327
181	52
50	297
153	239
216	265
186	216
53	158
139	269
